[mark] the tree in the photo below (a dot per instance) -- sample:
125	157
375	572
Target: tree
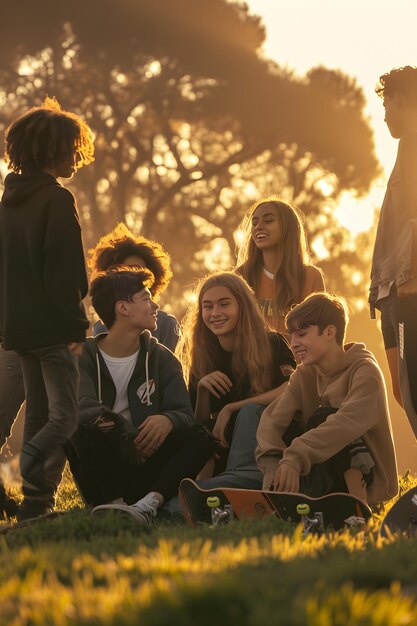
191	123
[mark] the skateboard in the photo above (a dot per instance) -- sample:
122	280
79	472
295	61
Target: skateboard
5	528
402	517
217	506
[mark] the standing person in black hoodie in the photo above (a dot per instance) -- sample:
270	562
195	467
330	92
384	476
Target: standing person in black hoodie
42	283
137	437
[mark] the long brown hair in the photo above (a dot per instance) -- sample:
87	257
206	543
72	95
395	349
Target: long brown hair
290	277
199	349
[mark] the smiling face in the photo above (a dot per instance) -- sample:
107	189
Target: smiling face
309	345
220	312
140	311
266	228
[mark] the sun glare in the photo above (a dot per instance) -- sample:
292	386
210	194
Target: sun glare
357	214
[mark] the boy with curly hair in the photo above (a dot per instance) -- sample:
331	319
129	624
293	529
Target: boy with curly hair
122	247
42	283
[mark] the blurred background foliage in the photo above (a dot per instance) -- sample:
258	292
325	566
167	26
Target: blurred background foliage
192	124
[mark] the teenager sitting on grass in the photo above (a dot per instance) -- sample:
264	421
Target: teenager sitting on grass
137	437
336	406
121	247
235	366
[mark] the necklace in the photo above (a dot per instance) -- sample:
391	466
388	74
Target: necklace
268	273
322	393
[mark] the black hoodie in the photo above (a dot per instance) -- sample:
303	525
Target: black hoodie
42	268
156	386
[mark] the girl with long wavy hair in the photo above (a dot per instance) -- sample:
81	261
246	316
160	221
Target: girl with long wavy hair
274	259
229	357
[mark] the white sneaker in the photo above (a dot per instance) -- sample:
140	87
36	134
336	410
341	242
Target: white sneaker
143	511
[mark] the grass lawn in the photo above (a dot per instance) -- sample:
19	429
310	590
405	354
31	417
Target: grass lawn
77	569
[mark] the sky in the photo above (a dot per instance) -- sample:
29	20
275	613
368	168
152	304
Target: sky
363	38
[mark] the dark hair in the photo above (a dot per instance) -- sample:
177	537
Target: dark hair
118	283
119	244
46	136
402	80
319	309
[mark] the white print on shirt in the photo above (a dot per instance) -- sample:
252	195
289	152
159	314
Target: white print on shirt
401	339
143	390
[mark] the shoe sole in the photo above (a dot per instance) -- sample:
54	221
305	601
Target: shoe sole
121	512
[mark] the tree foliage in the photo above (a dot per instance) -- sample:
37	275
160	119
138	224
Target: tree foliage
192	123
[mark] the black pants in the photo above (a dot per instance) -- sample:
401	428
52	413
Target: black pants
326	477
399	329
102	474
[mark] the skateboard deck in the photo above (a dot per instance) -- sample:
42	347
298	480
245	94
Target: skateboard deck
402	517
5	528
214	506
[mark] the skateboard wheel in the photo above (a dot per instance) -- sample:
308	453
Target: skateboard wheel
303	509
213	501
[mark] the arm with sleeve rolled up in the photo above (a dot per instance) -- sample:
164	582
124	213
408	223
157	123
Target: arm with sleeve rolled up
274	422
357	414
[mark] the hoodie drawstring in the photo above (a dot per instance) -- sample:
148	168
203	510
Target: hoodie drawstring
148	394
98	377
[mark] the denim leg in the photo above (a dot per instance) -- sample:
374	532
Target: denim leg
243	478
51	382
12	391
242	448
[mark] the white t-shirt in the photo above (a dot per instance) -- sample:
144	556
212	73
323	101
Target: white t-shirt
121	370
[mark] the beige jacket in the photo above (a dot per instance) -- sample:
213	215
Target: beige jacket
357	388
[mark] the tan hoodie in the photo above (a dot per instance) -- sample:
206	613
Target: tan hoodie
356	386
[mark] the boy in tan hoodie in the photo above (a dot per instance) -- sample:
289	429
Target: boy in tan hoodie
330	430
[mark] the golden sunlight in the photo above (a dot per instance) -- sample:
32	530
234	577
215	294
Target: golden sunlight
357	214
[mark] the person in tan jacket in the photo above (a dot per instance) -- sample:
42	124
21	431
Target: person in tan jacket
330	430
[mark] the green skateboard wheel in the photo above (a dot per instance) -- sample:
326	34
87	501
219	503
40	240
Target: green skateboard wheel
213	501
303	509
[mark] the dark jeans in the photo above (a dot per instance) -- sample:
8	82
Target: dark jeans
399	329
51	385
12	391
102	474
241	471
